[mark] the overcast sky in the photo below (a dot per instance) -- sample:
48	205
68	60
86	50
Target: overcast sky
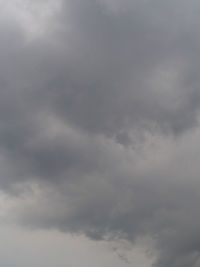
99	133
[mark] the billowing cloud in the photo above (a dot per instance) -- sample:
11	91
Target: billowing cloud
99	110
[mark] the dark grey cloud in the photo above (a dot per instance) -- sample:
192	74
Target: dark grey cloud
100	111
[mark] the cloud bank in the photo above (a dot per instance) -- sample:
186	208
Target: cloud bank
99	111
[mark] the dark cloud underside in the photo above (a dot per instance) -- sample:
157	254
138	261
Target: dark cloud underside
102	108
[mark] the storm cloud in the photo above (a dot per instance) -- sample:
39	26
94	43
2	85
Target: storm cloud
99	120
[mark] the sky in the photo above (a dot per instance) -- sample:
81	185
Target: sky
99	133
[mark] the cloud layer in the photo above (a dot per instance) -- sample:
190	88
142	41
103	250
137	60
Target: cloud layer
99	110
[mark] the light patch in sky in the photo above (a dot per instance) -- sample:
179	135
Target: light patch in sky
33	16
52	248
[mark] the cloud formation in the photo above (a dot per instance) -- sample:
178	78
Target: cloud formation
99	109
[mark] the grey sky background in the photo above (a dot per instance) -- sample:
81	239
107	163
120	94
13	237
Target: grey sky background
99	132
